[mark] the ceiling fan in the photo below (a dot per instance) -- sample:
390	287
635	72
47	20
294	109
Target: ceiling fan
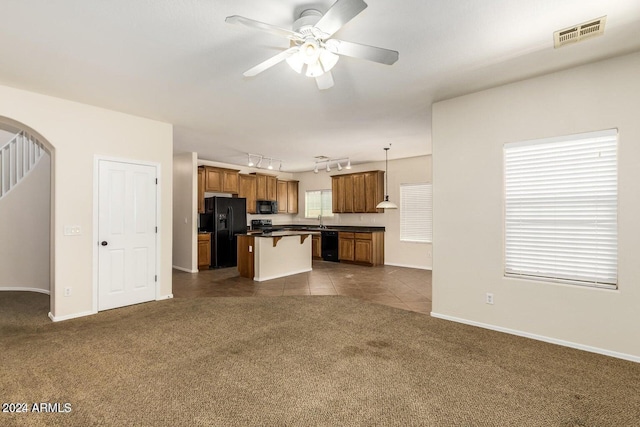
312	44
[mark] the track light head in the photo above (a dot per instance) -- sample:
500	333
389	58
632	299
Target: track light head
315	170
339	166
348	164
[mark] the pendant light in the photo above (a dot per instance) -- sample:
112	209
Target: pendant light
386	204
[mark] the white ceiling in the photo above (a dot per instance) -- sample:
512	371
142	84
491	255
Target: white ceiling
178	61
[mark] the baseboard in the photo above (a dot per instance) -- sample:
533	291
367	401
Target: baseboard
262	279
417	267
19	289
163	297
186	270
70	316
563	343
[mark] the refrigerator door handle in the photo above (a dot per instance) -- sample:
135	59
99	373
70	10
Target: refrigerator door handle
230	215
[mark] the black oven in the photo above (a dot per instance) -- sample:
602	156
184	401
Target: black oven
266	207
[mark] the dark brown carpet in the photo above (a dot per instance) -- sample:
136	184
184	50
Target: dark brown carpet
307	361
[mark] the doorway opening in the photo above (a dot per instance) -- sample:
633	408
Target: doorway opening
27	162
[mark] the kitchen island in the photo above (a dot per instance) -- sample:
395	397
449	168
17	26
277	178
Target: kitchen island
266	256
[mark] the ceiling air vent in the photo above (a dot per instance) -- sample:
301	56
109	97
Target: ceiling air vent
579	32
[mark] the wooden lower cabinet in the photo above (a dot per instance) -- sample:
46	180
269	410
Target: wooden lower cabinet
246	259
361	248
204	251
316	247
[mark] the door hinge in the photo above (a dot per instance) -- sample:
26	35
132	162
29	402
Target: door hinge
156	278
156	230
156	181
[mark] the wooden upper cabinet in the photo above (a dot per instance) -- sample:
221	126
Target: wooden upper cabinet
357	192
266	187
282	196
213	180
373	191
220	180
247	184
287	196
348	194
292	197
261	187
230	181
272	187
200	190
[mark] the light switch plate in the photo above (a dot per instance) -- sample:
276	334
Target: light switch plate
72	230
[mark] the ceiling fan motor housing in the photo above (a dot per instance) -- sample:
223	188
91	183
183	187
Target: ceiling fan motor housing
307	20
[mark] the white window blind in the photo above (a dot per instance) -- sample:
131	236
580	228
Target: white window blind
561	198
317	202
416	212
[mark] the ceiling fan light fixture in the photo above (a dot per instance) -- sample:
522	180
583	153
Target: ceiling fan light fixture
314	70
296	62
328	59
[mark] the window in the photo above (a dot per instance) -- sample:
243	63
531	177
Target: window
416	213
317	202
561	198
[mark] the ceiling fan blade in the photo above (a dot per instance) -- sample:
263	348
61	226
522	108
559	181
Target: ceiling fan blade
324	81
339	14
356	50
270	62
292	35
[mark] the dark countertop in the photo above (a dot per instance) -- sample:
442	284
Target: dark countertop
315	227
284	233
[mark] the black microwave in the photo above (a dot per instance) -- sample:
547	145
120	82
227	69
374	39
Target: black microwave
266	207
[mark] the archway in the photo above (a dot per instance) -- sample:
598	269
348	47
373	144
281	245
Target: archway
27	208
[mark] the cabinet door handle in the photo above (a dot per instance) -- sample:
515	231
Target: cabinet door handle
104	243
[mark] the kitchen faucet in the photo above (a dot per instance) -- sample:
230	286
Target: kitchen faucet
320	219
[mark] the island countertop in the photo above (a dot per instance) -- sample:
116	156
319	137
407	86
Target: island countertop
282	233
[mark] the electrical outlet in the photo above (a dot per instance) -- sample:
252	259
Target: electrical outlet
67	292
489	299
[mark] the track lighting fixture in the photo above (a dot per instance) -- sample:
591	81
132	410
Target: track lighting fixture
327	163
260	158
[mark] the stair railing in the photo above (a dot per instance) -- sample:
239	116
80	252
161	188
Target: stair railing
17	159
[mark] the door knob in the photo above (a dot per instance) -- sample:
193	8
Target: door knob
104	243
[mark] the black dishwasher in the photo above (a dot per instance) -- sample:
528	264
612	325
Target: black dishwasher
330	246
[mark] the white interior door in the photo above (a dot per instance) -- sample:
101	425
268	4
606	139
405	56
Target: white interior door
127	234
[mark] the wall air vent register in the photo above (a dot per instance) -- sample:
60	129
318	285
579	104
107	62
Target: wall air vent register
579	32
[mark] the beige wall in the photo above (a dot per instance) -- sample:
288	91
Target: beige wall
468	137
185	209
25	227
401	171
78	134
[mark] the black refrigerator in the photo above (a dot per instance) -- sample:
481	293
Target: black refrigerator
224	218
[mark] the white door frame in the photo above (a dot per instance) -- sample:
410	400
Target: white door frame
96	176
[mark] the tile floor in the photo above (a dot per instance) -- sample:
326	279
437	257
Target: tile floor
400	287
